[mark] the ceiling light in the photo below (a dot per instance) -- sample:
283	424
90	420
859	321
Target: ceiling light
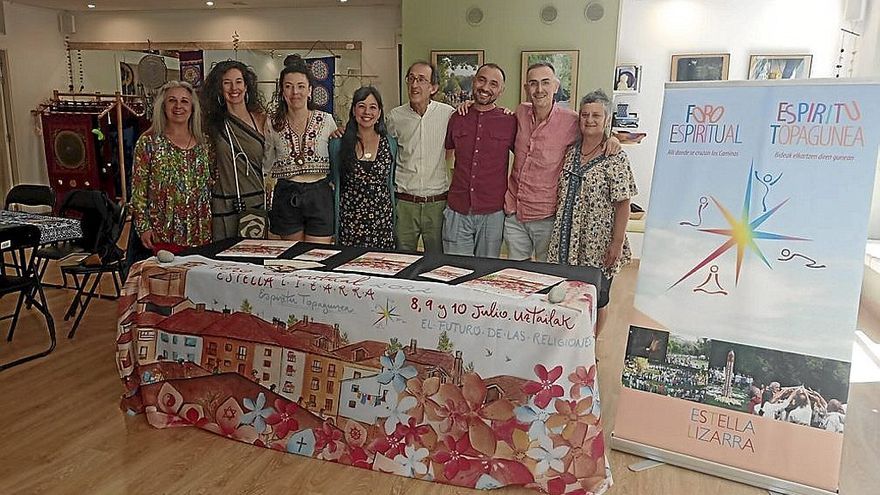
209	4
342	1
91	5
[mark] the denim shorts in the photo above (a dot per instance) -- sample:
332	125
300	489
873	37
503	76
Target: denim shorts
298	206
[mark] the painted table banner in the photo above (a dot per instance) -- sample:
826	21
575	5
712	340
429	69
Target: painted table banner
421	379
749	283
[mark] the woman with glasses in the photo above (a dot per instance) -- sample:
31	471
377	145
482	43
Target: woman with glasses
235	123
297	156
171	187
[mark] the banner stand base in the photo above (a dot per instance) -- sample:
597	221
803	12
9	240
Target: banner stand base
773	485
644	465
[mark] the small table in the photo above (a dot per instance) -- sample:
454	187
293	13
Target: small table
52	229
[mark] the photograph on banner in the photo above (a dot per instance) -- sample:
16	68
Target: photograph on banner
773	384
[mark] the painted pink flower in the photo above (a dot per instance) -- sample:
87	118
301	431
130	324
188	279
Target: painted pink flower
559	485
358	457
328	438
570	413
452	454
422	391
283	420
580	379
586	456
545	390
413	434
389	445
463	410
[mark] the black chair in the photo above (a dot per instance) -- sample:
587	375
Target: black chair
31	195
106	257
77	203
20	238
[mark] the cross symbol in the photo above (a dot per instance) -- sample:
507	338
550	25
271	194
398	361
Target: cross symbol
301	444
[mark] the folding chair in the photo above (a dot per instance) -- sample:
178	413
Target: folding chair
112	261
78	202
20	238
32	195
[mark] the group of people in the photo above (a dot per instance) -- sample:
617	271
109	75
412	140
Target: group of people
798	405
382	181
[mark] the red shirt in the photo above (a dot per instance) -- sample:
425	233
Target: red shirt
537	163
482	142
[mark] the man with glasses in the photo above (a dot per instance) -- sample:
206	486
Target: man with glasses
421	173
481	141
544	133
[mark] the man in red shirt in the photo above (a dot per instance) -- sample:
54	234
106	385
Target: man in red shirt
481	141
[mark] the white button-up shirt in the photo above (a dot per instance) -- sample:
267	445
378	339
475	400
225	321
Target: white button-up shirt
421	154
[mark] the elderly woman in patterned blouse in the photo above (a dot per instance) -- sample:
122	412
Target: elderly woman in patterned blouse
171	186
594	196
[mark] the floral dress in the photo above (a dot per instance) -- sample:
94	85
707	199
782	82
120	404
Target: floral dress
171	191
585	215
365	204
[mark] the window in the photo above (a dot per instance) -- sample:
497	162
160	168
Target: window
265	377
174	355
312	401
331	370
190	357
147	335
189	341
241	369
329	387
210	362
352	404
359	355
212	348
227	363
164	337
290	370
357	374
267	363
174	339
316	366
228	347
316	384
291	356
267	353
142	352
328	404
355	388
242	352
288	388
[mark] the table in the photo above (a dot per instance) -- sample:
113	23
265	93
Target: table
401	375
52	229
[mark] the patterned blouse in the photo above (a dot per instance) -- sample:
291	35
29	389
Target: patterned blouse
289	154
585	215
171	191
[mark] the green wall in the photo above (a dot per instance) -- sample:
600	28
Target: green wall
510	26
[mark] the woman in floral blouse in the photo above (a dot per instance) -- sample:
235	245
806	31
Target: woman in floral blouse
171	187
594	195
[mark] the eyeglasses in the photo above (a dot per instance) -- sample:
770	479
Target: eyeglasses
416	79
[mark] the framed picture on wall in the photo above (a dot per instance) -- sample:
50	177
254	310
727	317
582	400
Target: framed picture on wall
627	78
565	62
456	69
780	66
700	67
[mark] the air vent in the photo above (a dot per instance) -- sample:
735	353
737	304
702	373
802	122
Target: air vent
474	16
549	14
595	11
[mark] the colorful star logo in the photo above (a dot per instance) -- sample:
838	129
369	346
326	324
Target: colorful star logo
742	233
386	313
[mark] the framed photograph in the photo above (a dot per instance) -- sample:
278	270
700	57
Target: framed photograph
456	69
700	67
565	62
627	78
780	66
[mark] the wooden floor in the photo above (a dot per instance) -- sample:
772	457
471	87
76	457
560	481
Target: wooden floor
62	431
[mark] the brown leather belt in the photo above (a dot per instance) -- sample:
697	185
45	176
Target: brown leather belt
421	199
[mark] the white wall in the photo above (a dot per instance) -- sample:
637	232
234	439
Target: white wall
375	27
652	31
37	65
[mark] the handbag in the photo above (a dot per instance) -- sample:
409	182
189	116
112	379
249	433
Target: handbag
253	223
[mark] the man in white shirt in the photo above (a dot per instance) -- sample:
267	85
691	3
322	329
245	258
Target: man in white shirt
421	174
